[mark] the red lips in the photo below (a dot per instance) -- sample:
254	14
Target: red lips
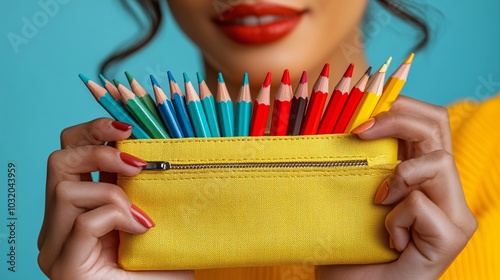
258	24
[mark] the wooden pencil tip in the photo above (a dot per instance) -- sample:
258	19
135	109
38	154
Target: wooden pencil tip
389	60
200	77
84	79
409	60
348	72
103	79
245	79
129	76
115	81
303	78
186	78
267	81
286	78
171	77
368	71
153	81
326	70
220	78
383	69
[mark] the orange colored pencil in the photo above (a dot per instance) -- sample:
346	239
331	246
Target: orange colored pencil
261	108
316	103
282	105
336	103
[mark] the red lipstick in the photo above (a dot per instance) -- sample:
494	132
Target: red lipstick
258	24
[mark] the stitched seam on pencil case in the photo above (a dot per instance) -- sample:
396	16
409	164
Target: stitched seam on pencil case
220	159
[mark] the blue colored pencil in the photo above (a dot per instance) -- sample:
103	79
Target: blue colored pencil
224	107
207	100
114	109
195	110
243	109
166	109
178	101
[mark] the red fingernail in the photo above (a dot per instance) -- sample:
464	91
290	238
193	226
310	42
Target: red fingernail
122	126
141	217
363	127
382	192
133	161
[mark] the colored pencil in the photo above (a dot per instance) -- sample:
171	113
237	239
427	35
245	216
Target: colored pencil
282	106
352	102
111	89
208	103
393	86
224	108
142	114
114	109
316	103
243	111
369	99
178	100
299	105
195	110
143	95
336	103
261	108
166	110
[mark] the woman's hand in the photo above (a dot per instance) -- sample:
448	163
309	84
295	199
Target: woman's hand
79	236
431	222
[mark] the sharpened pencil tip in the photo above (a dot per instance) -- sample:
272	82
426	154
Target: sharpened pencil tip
348	72
115	81
186	78
384	68
389	60
245	79
171	77
267	81
200	78
303	78
129	76
286	78
103	79
84	78
153	81
326	70
220	78
409	60
368	71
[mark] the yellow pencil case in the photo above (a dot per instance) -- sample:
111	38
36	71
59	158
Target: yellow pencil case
258	201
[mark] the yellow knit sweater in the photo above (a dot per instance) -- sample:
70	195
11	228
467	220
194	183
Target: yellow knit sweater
476	145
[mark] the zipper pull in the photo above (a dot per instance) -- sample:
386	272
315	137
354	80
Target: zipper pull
157	165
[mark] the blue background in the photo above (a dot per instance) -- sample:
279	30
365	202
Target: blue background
41	93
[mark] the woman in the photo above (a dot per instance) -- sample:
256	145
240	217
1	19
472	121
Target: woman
430	223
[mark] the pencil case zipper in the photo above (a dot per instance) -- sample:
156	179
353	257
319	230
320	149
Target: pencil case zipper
165	165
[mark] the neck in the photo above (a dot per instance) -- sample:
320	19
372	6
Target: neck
349	50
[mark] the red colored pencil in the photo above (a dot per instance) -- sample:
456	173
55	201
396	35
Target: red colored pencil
282	105
261	107
299	104
352	102
316	103
336	103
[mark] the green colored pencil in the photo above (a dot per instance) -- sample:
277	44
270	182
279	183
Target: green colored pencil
142	114
143	95
243	109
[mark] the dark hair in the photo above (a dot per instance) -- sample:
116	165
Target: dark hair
153	10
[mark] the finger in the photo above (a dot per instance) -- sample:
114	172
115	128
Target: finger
437	113
436	176
72	199
435	239
161	275
83	243
95	132
424	133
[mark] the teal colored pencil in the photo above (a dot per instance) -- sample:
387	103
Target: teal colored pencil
111	89
114	109
243	112
208	103
143	95
142	114
224	108
195	110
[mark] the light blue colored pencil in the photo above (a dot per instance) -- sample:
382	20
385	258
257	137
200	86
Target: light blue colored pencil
243	112
166	110
208	103
195	110
224	108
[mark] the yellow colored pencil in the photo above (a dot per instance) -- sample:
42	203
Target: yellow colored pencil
393	87
369	99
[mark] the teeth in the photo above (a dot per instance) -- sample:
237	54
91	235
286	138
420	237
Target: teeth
256	20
